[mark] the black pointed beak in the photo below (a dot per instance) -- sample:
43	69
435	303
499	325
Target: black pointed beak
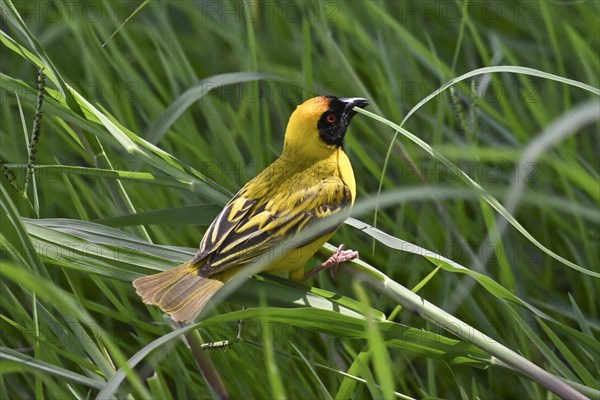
351	102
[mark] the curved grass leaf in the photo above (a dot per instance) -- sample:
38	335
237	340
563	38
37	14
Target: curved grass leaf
113	383
488	283
491	200
496	69
195	93
30	363
564	126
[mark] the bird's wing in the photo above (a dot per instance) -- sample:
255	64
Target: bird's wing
247	227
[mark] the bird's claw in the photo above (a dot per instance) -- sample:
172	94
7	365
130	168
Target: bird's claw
339	256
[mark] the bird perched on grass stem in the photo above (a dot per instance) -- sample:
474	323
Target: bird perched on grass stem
311	181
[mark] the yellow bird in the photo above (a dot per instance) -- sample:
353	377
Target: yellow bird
310	181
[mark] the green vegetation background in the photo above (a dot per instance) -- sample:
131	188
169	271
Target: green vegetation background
70	318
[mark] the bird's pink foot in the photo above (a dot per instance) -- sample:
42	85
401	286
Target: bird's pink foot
339	256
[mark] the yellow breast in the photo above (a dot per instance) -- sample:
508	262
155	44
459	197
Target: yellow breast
292	259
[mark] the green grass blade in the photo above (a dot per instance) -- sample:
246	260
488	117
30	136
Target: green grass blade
195	93
113	383
501	68
485	195
30	363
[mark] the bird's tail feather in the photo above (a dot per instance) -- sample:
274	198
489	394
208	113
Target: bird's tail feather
180	291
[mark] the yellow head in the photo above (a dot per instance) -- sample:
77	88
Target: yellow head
317	127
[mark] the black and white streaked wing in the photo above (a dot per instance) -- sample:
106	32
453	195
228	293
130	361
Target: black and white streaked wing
251	228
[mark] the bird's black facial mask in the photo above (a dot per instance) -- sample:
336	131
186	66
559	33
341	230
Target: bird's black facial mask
334	122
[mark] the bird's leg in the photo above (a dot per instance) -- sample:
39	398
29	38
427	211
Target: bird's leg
340	255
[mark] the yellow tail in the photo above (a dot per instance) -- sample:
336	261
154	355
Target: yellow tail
180	291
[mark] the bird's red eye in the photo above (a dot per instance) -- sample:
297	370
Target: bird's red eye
331	118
